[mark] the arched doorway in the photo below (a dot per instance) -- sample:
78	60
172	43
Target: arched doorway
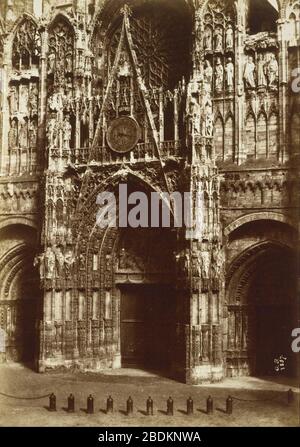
145	280
19	293
262	312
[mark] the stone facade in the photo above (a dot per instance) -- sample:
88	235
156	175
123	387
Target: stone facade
209	84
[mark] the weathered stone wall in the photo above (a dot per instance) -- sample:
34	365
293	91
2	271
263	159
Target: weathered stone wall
217	117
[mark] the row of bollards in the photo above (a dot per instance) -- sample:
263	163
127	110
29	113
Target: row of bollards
149	404
129	405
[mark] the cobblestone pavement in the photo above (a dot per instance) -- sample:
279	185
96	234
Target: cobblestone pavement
268	407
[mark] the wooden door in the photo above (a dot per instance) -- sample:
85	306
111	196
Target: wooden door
146	326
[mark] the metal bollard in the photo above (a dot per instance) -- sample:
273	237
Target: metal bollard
209	405
109	405
149	406
71	404
190	406
129	405
229	404
52	402
90	404
170	406
290	396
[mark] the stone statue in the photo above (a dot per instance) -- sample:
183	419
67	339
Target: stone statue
208	75
69	261
229	70
49	263
195	114
219	40
13	100
13	135
272	71
249	73
60	261
33	99
207	39
32	133
39	261
219	75
261	71
23	134
124	66
51	133
24	97
209	119
67	133
51	63
229	37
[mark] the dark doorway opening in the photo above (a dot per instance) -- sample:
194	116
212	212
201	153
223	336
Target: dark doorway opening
273	341
273	293
147	319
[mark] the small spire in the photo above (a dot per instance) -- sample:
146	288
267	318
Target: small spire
126	10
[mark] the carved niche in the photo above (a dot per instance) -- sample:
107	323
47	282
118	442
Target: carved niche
23	97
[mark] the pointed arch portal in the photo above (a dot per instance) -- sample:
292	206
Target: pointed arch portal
262	312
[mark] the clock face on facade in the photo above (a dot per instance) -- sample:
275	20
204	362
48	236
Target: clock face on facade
123	134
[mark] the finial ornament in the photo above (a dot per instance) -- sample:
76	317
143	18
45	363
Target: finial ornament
126	11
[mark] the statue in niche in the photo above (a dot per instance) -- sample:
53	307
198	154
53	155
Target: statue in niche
129	261
24	98
209	118
80	60
205	266
51	63
33	99
249	73
261	71
219	40
55	101
23	134
195	114
229	70
69	261
52	134
69	62
39	261
32	131
219	75
205	344
207	39
229	37
49	263
81	261
13	100
208	75
272	71
13	135
67	133
60	261
124	65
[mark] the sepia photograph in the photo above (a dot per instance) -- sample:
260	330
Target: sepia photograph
149	217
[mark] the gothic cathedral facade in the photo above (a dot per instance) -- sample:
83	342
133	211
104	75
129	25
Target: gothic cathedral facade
208	91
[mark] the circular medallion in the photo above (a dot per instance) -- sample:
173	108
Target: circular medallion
123	134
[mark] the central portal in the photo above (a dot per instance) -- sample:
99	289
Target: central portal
147	315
